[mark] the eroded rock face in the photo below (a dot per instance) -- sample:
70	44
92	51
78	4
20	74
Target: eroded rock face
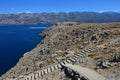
66	39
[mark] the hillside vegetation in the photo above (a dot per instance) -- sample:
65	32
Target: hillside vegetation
66	39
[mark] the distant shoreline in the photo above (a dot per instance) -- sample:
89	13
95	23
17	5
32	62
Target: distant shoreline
49	23
21	24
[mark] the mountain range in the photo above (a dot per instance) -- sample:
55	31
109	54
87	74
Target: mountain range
52	17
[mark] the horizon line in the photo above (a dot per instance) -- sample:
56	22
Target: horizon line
59	12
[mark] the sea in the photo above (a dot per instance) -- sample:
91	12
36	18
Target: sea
15	40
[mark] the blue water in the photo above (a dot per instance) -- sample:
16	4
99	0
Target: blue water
16	40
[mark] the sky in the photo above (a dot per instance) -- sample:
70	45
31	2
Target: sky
38	6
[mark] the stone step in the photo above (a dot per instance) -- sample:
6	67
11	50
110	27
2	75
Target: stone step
32	76
68	61
61	63
49	70
80	55
73	60
65	62
76	56
52	68
42	73
83	54
39	74
59	66
87	51
91	49
36	75
55	66
45	71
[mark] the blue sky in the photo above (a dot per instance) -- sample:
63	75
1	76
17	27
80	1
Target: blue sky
17	6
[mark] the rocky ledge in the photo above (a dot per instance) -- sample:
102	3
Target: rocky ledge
66	39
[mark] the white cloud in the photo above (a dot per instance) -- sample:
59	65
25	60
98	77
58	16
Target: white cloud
28	12
19	12
101	11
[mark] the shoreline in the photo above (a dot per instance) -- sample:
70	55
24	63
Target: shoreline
25	40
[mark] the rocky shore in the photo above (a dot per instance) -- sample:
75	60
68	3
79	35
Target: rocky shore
66	39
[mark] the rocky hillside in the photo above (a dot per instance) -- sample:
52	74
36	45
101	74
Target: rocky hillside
66	39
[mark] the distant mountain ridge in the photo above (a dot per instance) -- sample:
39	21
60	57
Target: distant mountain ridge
37	18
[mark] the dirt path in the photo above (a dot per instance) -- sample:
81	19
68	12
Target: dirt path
85	72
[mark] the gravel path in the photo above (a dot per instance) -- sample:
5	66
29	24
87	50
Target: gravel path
85	72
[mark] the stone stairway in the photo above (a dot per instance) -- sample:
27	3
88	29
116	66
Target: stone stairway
41	73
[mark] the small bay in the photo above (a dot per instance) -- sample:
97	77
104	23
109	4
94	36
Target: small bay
15	41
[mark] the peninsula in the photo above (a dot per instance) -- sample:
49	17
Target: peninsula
68	45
